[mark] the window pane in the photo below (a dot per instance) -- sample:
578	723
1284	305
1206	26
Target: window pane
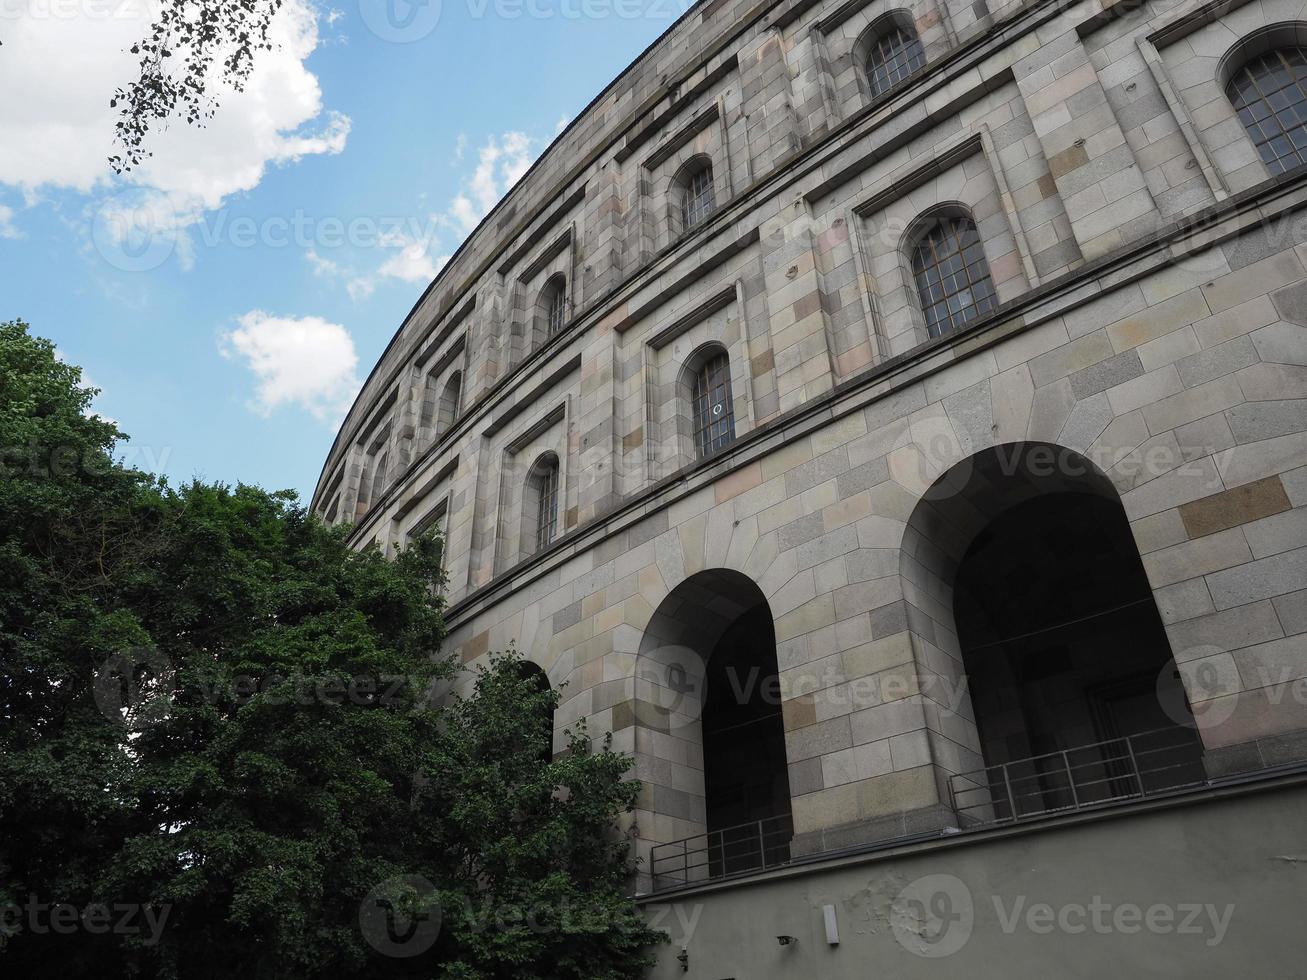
952	276
714	413
893	56
547	501
1270	99
698	202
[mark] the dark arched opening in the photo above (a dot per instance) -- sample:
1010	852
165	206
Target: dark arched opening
709	655
540	707
1075	695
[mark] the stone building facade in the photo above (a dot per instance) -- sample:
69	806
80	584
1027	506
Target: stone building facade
929	376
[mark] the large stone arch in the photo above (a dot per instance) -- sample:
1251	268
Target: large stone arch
993	489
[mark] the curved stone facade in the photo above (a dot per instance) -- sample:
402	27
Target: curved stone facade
751	188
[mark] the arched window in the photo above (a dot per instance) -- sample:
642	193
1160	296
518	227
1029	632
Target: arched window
694	184
540	505
378	480
952	275
543	708
551	309
1270	96
893	54
714	413
449	403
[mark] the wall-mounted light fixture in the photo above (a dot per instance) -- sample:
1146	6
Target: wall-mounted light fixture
832	924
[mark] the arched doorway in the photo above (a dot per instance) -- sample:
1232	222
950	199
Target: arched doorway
1037	585
540	706
707	678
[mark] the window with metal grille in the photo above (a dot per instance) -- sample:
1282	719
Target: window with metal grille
952	275
697	201
714	416
892	56
1270	97
546	494
555	304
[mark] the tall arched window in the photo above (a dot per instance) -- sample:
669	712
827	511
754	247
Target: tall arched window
540	505
714	413
542	708
1269	93
551	309
449	403
893	54
694	185
378	479
952	275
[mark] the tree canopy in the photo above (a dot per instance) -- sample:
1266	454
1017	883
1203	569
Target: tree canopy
228	744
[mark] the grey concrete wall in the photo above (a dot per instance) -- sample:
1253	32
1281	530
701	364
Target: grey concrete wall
1209	890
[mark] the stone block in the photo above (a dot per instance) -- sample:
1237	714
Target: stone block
1229	508
1229	629
1257	420
1107	373
1282	532
1222	550
1291	608
1255	460
1266	382
1263	578
1183	600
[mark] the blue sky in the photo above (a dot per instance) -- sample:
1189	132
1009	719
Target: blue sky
230	295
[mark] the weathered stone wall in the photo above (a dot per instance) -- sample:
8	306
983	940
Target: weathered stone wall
1153	278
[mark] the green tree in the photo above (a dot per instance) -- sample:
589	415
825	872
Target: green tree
217	713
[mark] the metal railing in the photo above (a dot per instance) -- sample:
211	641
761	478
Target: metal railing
1101	773
752	846
1111	771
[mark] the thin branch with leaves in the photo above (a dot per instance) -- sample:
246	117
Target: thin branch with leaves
192	46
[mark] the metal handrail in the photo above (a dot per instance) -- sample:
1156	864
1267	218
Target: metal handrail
753	846
1123	768
1065	780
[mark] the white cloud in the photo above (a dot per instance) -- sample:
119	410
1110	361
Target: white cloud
322	266
301	361
501	162
413	263
7	227
59	73
361	287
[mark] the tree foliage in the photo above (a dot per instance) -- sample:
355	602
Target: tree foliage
217	714
193	47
